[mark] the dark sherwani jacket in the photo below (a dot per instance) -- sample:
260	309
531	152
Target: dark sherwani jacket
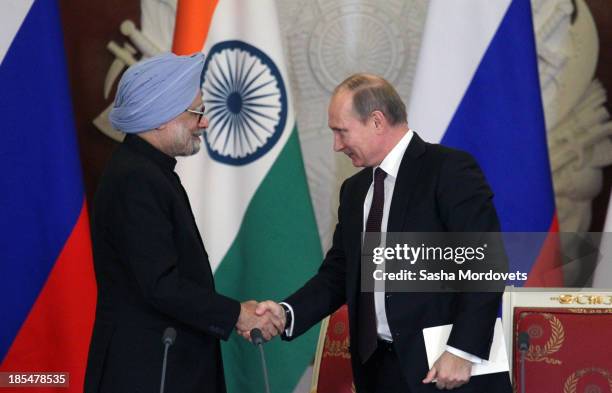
437	189
152	272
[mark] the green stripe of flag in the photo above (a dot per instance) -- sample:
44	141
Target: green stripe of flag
276	250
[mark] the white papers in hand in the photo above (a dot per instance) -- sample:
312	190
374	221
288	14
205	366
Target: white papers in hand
435	344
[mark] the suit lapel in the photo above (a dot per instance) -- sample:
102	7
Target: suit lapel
407	179
353	225
355	215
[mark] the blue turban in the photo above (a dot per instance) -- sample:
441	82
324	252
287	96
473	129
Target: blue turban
155	91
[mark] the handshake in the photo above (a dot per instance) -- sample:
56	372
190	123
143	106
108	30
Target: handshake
267	316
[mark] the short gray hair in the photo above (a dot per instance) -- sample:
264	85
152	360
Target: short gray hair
373	93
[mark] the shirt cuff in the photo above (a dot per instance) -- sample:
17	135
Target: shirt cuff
289	329
464	355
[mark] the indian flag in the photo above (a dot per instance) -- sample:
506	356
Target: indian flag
247	186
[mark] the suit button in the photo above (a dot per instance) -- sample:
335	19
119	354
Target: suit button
388	296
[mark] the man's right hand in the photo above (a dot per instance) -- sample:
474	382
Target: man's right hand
270	306
271	324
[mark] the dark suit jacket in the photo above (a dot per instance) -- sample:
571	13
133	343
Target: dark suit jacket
152	272
437	189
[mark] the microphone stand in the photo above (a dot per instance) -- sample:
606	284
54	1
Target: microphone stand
258	340
523	344
168	339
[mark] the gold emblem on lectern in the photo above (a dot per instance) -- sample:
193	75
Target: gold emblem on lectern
571	382
541	353
337	348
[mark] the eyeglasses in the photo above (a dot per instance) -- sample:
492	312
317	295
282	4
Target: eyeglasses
199	112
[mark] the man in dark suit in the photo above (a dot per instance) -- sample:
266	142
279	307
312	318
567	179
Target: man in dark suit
151	266
407	185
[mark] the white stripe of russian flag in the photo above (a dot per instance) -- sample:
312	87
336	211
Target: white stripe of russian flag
12	15
456	37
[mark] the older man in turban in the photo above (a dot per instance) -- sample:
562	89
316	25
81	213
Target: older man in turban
151	266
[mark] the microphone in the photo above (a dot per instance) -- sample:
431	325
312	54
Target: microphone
257	337
258	340
523	347
523	341
167	339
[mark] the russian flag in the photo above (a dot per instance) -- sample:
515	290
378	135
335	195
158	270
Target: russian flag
476	88
47	283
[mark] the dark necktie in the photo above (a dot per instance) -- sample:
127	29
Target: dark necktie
366	312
